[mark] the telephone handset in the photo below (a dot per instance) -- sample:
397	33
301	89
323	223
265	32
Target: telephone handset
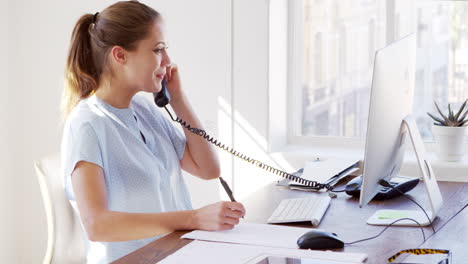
162	98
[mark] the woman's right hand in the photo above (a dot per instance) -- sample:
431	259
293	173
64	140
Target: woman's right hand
218	216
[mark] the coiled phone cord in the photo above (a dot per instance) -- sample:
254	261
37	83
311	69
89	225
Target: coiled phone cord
202	133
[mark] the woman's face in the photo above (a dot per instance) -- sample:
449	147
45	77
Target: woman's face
146	65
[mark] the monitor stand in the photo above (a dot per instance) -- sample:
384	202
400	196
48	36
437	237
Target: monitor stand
386	217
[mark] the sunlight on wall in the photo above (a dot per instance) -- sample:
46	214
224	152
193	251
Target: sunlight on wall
247	140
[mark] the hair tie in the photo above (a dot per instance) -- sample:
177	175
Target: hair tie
95	17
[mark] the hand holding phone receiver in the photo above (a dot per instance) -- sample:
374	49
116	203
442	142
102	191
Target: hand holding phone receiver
162	98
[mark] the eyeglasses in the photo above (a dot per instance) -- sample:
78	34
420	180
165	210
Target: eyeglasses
424	251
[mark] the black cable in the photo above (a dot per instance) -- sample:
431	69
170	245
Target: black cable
459	211
202	133
340	175
422	230
365	239
385	183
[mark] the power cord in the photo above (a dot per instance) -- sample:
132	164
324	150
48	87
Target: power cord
457	213
385	183
381	232
422	230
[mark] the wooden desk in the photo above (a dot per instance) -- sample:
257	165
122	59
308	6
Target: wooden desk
453	236
344	217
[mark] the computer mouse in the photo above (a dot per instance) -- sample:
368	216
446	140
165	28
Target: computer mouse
317	239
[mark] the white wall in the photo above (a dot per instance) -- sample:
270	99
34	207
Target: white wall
8	186
200	43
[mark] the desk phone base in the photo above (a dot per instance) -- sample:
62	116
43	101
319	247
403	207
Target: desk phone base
404	184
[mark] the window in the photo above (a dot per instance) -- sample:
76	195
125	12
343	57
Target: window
317	50
339	40
342	50
371	40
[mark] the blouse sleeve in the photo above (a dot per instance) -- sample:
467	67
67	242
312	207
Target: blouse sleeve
80	143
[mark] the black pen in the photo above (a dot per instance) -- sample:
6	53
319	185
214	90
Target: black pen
227	189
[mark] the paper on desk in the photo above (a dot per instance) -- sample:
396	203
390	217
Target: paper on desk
210	252
253	234
323	170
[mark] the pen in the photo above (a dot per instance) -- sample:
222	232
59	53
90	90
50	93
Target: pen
227	189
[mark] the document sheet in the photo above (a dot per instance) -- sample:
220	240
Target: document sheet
254	234
211	252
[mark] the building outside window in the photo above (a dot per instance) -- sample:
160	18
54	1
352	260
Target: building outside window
339	41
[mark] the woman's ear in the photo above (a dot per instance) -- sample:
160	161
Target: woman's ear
119	55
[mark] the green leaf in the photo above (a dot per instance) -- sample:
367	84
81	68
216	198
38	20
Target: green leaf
464	115
450	116
440	112
437	119
461	110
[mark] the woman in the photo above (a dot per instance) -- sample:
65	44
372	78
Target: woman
122	159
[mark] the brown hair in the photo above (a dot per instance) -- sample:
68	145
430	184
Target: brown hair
121	24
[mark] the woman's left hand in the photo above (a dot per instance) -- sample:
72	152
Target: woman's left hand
173	81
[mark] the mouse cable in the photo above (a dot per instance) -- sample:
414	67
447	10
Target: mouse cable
365	239
202	133
385	183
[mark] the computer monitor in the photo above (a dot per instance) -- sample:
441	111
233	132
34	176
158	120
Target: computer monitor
390	127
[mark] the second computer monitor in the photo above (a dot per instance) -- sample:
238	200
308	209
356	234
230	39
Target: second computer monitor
390	102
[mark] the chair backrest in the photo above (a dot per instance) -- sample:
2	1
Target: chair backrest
65	242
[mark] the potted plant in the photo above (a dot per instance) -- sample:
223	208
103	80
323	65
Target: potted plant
449	132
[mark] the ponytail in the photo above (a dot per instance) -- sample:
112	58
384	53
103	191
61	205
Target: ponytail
81	78
121	24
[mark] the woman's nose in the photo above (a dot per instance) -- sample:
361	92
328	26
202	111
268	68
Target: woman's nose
165	60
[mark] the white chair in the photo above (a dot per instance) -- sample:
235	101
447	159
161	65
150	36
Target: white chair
65	242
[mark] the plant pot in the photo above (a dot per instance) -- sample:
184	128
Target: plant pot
450	142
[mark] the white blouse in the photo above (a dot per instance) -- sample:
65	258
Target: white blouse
140	177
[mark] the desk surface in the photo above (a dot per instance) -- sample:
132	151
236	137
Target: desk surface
452	236
345	218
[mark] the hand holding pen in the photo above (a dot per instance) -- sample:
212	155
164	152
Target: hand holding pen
227	189
218	216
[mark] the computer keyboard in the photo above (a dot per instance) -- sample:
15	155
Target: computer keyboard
301	209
